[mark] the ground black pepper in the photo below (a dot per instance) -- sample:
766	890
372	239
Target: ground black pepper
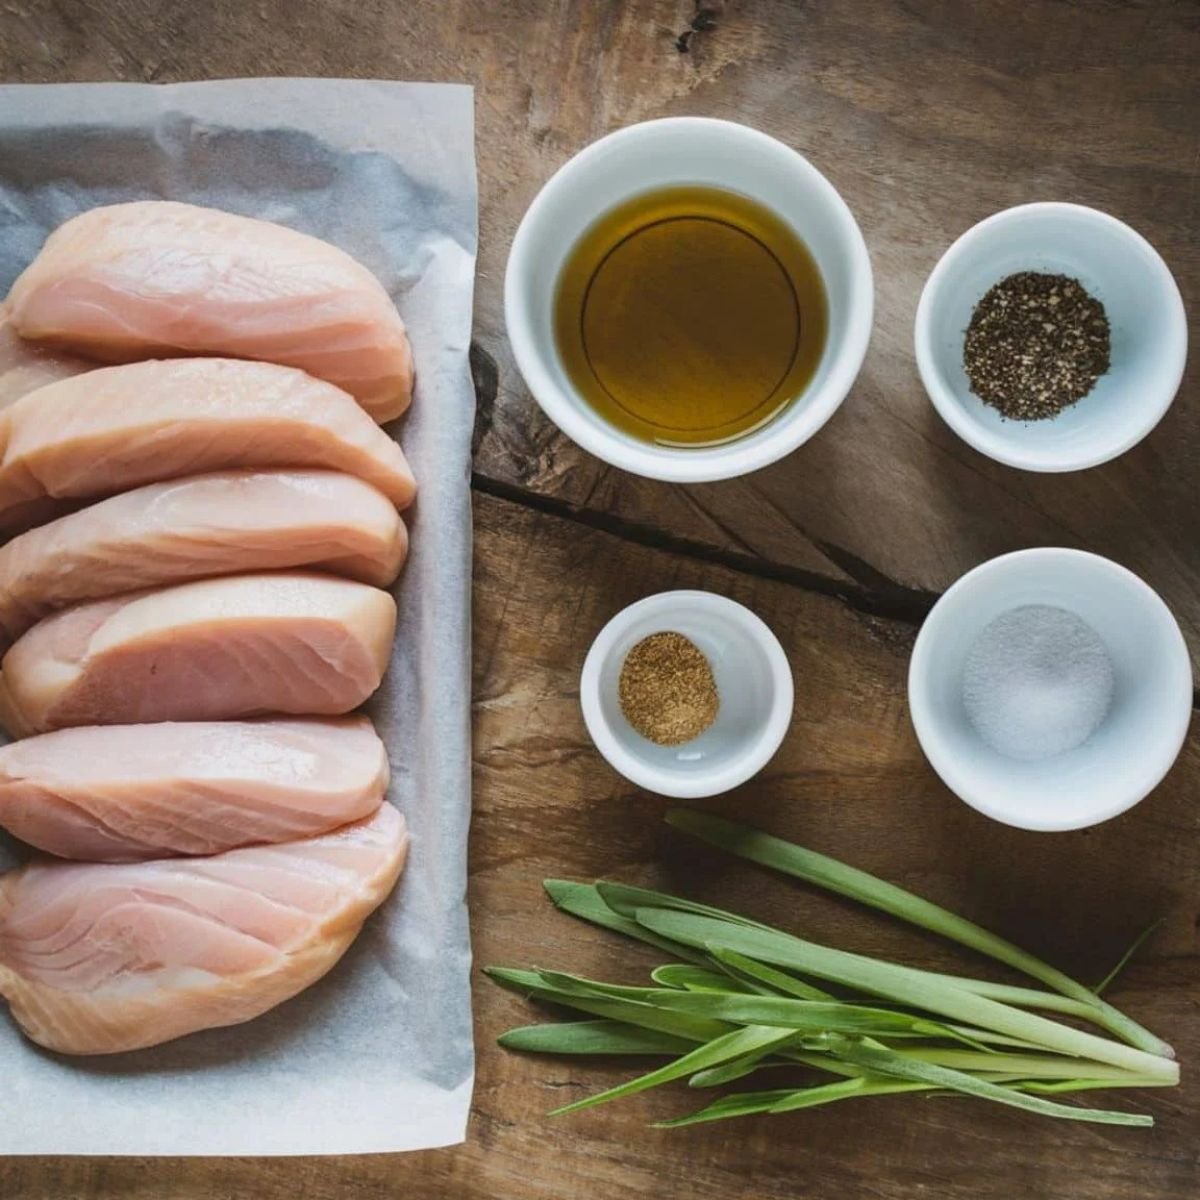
666	689
1036	344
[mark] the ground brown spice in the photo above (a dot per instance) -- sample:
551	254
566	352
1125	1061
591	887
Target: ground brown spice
666	689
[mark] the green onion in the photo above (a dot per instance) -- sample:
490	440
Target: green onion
740	966
886	1062
1052	1086
591	1037
740	1001
743	1104
625	901
858	885
738	1068
722	1049
688	978
902	984
805	1014
747	1104
583	900
1134	947
693	1029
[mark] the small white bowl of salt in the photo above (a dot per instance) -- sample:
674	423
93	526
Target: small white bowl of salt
1050	689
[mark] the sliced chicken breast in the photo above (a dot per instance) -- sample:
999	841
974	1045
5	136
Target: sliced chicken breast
204	525
96	958
241	646
26	366
155	278
120	793
119	427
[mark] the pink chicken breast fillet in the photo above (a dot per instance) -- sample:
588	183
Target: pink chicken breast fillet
154	278
120	427
121	793
27	366
97	958
240	646
200	526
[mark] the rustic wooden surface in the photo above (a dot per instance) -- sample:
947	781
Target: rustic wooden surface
928	116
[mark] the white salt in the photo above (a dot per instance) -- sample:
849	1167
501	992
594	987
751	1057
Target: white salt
1037	682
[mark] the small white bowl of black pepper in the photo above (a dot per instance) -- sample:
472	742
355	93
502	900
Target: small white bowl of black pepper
1051	337
687	693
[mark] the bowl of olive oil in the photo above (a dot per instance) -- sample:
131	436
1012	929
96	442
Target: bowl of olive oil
689	299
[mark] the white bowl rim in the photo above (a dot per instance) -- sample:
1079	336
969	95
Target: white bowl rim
988	442
925	724
735	458
741	767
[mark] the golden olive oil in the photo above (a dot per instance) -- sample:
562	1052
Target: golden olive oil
689	316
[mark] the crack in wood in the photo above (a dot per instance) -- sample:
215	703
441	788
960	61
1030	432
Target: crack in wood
871	592
704	20
485	378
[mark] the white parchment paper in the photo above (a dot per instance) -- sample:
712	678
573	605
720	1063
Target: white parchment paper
378	1055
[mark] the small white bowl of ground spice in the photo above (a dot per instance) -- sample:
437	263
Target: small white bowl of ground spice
686	693
1050	688
1051	337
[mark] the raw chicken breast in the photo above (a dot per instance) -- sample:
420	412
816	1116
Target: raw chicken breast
153	278
241	646
200	526
119	793
119	427
25	366
96	958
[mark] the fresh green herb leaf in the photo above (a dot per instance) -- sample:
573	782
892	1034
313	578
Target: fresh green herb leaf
577	985
1023	997
688	978
902	1066
845	1089
740	1001
693	1029
719	1050
515	980
745	1104
591	1037
1018	1066
903	985
808	1015
739	1068
1124	959
582	900
834	876
742	1104
1050	1087
779	981
625	901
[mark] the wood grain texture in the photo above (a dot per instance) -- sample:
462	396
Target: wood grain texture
850	781
928	116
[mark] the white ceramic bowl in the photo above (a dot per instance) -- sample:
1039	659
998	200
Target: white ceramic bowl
1145	313
1135	744
753	681
676	151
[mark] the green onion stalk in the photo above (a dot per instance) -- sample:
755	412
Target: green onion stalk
742	998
